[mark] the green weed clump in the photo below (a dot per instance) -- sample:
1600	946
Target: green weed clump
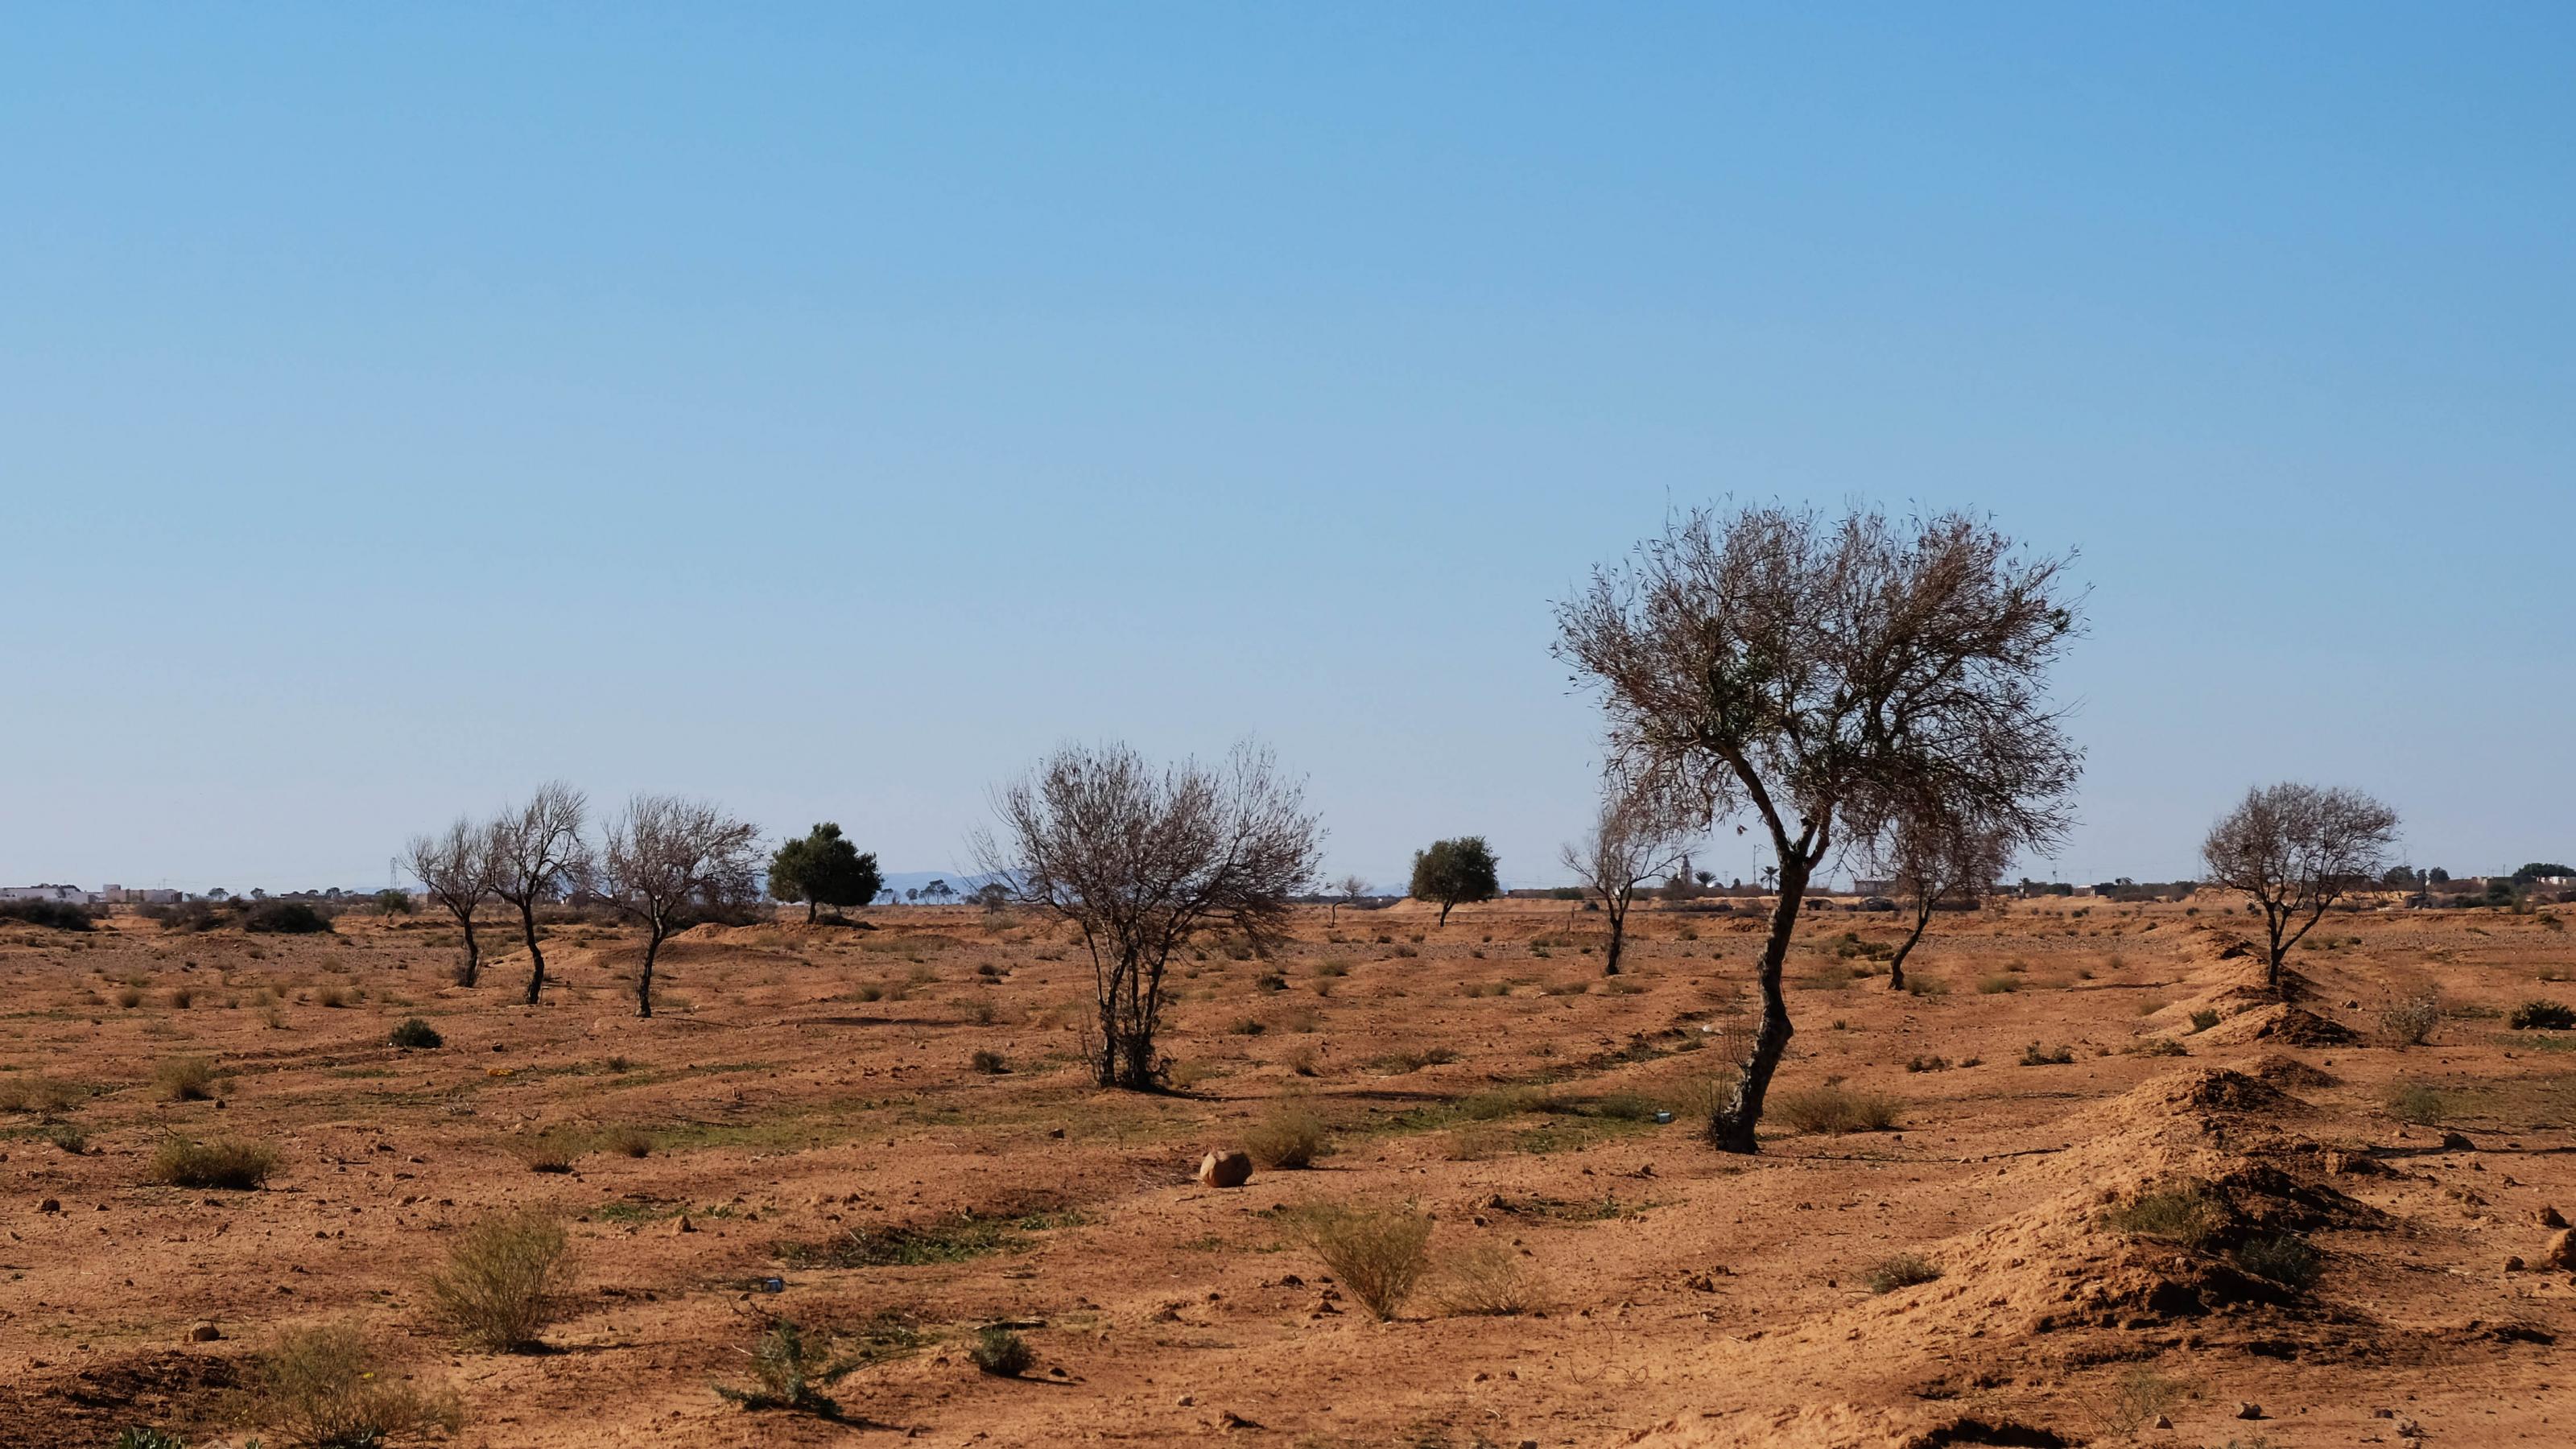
503	1280
232	1163
1378	1252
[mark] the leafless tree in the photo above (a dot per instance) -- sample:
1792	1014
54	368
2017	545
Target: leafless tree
1350	888
667	859
537	854
455	868
1139	860
1930	859
1633	840
1828	676
2296	849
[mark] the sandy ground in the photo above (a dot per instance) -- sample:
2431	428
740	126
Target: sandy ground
803	1084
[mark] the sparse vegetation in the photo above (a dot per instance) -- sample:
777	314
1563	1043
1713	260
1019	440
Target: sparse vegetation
2285	1258
285	918
415	1034
1000	1352
1836	1109
2415	1102
503	1280
790	1370
325	1387
1290	1136
233	1163
1377	1252
2539	1015
2185	1213
1905	1270
1489	1279
185	1079
2035	1055
2411	1022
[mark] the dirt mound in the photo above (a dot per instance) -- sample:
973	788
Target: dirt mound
2284	1025
2290	1072
1845	1426
2215	1089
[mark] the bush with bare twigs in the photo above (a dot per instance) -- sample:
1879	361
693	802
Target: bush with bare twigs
503	1281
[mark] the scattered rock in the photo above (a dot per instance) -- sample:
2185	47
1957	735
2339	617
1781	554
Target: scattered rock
2512	1264
2549	1218
2249	1411
50	1205
2561	1251
1229	1419
681	1224
1225	1168
2457	1142
204	1333
2164	1421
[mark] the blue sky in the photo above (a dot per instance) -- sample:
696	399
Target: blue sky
828	409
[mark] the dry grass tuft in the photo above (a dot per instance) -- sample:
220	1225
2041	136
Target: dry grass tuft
1289	1137
325	1388
503	1281
1378	1252
1489	1280
185	1079
1838	1110
232	1163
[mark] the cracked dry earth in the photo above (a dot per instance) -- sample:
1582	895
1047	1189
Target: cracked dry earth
812	1113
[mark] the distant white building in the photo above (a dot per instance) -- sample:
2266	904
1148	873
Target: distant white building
67	894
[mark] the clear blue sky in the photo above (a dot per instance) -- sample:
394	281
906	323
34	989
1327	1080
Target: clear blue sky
827	409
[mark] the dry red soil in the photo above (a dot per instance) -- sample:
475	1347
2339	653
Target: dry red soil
806	1089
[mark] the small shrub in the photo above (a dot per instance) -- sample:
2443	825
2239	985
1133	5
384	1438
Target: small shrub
1488	1280
2411	1022
2139	1398
987	1062
34	1093
1838	1110
1998	985
1002	1353
233	1163
2543	1016
2035	1055
790	1370
68	1137
52	915
503	1280
2415	1102
142	1438
416	1035
286	918
553	1150
1290	1137
2160	1046
325	1388
625	1142
1270	981
1905	1270
1376	1252
331	994
129	996
2286	1259
2187	1213
1919	985
1398	1063
2205	1018
1928	1064
185	1079
181	998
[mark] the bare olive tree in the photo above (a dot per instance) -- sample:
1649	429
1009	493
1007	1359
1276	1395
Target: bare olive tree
1139	860
537	854
1932	858
1634	840
668	859
1350	888
455	868
2296	850
1828	676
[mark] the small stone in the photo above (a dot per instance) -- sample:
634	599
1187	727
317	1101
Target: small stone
50	1205
2512	1264
2457	1142
2549	1218
1184	1401
1225	1168
681	1224
2164	1421
2249	1411
2561	1252
204	1333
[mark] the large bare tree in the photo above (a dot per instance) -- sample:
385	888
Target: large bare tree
1828	676
455	868
1930	858
2296	850
1350	888
537	854
1139	859
1633	840
668	859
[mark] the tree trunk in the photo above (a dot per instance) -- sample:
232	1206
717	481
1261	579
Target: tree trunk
472	971
644	979
1896	963
1732	1128
1444	911
536	957
1618	937
810	905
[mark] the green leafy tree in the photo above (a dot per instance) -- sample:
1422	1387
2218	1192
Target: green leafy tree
2540	870
1454	872
823	869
